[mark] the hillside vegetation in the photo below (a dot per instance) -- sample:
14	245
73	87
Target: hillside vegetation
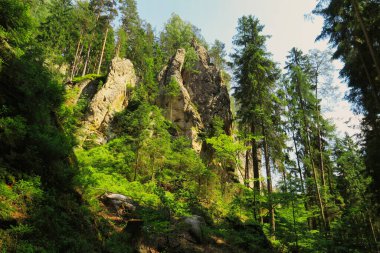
118	138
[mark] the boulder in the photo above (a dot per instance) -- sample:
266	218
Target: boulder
119	203
194	225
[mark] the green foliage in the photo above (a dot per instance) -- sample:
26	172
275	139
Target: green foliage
191	60
226	149
353	31
79	79
50	193
178	34
172	89
218	54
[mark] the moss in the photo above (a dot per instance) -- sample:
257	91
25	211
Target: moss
79	79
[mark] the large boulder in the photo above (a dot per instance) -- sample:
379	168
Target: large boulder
118	203
194	225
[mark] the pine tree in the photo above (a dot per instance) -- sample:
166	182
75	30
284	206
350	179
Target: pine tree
256	76
352	27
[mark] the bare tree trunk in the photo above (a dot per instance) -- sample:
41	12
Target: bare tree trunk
256	175
321	164
373	232
320	202
75	59
310	154
298	164
80	58
246	172
89	46
101	55
87	59
117	52
269	185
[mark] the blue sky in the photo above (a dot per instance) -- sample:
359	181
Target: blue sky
284	20
217	19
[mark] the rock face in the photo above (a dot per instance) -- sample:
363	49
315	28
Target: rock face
110	99
202	95
179	107
207	90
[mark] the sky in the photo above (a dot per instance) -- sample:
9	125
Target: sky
283	20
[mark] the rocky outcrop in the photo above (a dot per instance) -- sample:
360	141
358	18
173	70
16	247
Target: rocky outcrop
111	98
202	95
179	106
207	90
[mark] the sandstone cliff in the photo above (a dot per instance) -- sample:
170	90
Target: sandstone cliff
179	108
111	98
208	90
202	95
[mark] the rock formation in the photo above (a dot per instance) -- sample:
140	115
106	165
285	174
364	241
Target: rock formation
111	98
202	95
179	108
207	90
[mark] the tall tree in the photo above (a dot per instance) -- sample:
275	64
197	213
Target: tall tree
218	53
303	110
353	29
256	76
177	34
109	13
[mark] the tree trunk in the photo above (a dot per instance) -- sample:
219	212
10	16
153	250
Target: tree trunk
89	46
366	36
76	68
101	55
256	175
373	233
321	164
269	185
310	154
75	59
246	172
87	60
294	220
117	52
298	163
